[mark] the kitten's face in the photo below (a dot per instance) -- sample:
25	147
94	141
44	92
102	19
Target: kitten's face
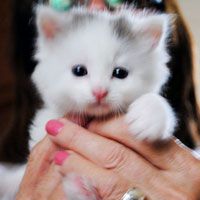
96	67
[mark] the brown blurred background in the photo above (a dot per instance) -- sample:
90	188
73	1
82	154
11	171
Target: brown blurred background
6	75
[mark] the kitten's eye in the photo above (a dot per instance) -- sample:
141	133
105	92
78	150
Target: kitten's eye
120	72
79	70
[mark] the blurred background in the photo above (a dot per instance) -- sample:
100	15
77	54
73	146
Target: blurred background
190	9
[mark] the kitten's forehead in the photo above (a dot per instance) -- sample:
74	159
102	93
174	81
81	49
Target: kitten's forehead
97	40
122	28
118	24
80	19
93	42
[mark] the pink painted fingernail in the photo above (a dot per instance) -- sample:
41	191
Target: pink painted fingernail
60	157
53	127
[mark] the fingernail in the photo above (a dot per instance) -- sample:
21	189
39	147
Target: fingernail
60	157
53	127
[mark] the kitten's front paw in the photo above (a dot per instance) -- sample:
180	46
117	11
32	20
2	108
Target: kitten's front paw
150	117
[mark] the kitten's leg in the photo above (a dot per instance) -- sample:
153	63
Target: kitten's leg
151	117
10	179
78	188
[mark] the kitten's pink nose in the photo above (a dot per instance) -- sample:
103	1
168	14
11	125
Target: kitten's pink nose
99	93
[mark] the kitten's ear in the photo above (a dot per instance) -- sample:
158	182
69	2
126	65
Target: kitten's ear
50	22
154	29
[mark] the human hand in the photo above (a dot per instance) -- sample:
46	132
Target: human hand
114	162
42	179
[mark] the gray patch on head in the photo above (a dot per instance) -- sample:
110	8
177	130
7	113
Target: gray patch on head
122	29
79	20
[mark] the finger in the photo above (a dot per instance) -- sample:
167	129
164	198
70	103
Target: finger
111	185
100	150
114	155
58	193
164	155
47	183
108	184
39	161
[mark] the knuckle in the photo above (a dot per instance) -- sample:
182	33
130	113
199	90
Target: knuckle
115	157
74	137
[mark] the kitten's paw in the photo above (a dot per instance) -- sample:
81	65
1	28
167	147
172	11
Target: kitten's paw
151	118
78	188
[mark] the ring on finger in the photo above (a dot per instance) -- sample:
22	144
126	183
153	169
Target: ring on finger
133	194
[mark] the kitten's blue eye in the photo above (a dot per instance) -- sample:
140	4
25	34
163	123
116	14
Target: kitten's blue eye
79	70
120	72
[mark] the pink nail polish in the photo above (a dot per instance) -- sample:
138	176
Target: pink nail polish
53	127
60	157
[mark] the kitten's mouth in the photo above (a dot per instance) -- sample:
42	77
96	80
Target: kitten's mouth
95	111
85	120
99	105
81	120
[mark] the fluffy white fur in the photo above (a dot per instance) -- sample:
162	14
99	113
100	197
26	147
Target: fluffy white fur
80	186
62	43
11	176
97	47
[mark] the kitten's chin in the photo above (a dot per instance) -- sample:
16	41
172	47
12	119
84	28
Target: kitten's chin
79	119
98	111
91	113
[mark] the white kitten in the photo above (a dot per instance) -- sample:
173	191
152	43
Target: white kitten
96	63
92	64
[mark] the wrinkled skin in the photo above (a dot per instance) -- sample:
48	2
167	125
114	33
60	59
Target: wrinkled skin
162	171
